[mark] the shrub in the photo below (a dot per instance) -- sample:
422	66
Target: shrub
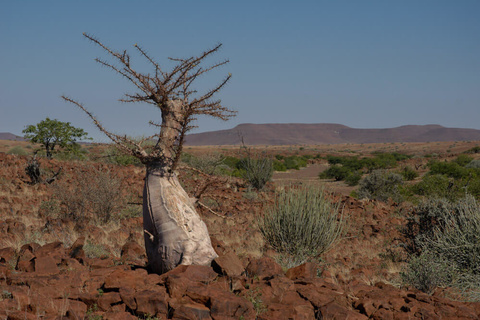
93	193
302	222
212	163
279	166
463	160
474	164
450	232
93	250
427	272
408	173
294	162
115	156
257	171
353	178
17	150
381	185
337	172
449	169
457	237
439	186
73	151
475	149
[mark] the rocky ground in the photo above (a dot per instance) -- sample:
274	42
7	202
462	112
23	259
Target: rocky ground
49	271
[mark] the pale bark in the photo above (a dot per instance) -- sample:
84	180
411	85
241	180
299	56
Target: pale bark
175	233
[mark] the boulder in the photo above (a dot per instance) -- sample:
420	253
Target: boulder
263	268
228	264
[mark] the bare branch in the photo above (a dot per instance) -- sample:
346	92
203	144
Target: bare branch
171	92
121	141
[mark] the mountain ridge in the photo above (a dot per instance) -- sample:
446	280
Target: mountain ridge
327	133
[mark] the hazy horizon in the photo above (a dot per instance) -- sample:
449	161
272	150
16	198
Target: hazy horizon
369	64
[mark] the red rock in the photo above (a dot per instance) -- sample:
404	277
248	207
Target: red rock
76	250
26	266
334	311
263	268
226	304
177	285
383	314
26	253
99	263
55	250
150	302
228	264
191	311
193	273
20	315
118	316
45	265
126	278
317	298
307	270
76	310
280	311
72	264
218	246
366	307
280	285
8	256
199	293
89	299
128	297
107	299
132	251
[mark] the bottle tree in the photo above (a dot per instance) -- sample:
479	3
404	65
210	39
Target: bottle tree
174	232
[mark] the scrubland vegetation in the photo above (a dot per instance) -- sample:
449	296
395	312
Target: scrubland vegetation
434	198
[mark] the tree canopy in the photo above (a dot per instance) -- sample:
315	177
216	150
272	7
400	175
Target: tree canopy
51	133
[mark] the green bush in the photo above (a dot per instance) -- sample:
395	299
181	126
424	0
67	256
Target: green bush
353	178
457	237
475	149
17	150
72	151
302	223
426	272
441	186
279	166
381	185
353	163
257	172
474	164
212	163
337	172
463	160
408	173
115	156
294	162
449	169
450	232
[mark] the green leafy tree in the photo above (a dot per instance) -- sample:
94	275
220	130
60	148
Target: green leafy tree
52	133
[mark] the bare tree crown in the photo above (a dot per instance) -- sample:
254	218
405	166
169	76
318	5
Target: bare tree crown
170	91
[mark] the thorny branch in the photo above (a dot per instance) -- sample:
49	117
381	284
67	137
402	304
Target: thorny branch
161	88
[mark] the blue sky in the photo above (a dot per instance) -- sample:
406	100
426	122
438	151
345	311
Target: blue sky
364	64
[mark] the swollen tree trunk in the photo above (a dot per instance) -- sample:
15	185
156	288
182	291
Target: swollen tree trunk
174	232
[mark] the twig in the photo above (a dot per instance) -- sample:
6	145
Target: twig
218	215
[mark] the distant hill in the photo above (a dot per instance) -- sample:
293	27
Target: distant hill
327	133
10	136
